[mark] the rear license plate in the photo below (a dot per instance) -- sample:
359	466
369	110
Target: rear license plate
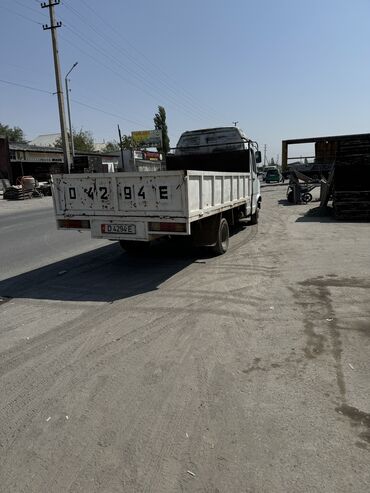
127	229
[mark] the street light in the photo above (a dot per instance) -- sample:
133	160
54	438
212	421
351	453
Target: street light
69	117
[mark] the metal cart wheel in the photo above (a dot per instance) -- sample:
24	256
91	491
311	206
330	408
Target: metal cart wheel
306	197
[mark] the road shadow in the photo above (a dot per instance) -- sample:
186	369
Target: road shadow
108	273
326	215
317	214
105	274
285	202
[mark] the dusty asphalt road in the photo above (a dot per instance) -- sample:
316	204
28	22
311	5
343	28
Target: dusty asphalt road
29	238
181	373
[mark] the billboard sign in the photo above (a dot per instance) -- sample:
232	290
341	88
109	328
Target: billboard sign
147	138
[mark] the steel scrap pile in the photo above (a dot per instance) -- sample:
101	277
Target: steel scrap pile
16	192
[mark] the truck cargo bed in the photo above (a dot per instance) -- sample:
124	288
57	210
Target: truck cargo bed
134	201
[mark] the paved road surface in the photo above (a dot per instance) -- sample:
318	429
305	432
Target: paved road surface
183	373
29	237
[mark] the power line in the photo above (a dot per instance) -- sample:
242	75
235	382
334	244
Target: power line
108	113
30	8
160	70
176	104
21	15
143	81
97	61
117	62
191	106
74	100
139	78
133	60
26	87
104	100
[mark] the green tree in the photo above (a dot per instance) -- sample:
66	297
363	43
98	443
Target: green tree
14	134
111	146
127	142
83	140
161	124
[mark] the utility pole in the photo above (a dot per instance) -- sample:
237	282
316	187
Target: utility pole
69	114
120	146
63	128
264	155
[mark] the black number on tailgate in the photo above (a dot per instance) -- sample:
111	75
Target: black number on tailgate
90	192
163	192
72	193
127	193
141	193
104	195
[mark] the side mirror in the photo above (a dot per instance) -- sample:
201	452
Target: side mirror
258	157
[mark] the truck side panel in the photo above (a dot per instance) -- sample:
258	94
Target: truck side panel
208	191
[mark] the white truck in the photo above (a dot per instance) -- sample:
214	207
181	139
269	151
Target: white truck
210	183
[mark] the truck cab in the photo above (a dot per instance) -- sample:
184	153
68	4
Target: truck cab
211	140
220	149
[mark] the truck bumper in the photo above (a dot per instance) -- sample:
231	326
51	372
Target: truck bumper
134	229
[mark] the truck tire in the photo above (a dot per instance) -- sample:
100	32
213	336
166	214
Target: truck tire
255	217
134	247
222	242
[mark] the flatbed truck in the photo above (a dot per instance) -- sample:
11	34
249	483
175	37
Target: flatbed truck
138	207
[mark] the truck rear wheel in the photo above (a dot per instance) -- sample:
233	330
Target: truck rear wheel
222	243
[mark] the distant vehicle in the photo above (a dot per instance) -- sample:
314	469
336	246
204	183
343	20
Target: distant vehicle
273	176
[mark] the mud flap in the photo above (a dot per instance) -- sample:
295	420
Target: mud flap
204	232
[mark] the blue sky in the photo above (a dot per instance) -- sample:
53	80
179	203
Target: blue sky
281	68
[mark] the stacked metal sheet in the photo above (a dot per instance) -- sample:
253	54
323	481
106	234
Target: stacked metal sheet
17	193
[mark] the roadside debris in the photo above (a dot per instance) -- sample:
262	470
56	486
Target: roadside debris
329	319
62	272
48	419
16	192
352	367
191	473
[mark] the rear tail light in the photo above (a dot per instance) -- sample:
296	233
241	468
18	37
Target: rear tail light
74	223
168	227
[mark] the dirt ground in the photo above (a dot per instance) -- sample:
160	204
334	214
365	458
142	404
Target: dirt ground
180	372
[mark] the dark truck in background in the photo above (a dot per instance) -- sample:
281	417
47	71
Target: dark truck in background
342	164
350	180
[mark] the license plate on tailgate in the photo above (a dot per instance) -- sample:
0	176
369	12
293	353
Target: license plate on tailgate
127	229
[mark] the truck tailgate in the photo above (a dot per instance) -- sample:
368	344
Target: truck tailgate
121	194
